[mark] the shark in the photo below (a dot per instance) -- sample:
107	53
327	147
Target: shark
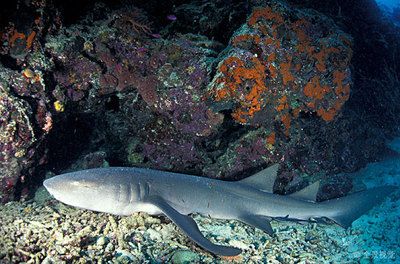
127	190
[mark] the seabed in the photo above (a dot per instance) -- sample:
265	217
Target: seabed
44	230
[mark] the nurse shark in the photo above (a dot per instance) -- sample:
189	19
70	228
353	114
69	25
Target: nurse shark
126	190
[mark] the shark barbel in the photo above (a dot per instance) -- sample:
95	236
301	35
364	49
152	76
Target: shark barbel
124	191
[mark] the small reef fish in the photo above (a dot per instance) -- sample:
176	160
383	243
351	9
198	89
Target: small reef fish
124	191
172	17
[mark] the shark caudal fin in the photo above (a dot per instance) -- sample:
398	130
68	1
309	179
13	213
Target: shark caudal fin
347	209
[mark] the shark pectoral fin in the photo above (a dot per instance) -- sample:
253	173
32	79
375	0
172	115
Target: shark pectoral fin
308	193
259	222
263	180
190	228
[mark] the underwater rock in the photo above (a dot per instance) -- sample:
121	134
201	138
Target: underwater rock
285	79
216	95
286	73
282	62
41	195
26	29
184	257
130	76
199	16
25	121
96	159
160	91
101	241
245	156
26	111
17	138
124	256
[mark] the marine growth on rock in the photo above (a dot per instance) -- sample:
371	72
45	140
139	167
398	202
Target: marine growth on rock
281	62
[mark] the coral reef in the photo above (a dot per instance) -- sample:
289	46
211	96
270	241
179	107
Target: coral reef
376	48
280	64
17	138
223	96
286	72
26	119
26	115
22	34
245	156
199	16
214	88
160	82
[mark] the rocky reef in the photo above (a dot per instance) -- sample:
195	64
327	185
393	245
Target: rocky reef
177	87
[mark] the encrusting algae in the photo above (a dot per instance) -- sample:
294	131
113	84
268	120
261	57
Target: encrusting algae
280	56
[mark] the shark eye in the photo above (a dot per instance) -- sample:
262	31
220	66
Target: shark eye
76	183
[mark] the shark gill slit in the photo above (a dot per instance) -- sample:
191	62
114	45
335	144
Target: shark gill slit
147	185
119	192
131	191
142	190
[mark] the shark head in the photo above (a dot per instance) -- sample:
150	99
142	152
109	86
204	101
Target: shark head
94	189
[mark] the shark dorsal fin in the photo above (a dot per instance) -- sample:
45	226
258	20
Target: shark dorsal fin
308	193
263	180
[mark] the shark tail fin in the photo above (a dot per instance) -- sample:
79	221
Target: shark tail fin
347	209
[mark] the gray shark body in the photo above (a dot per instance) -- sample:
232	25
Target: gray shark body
124	191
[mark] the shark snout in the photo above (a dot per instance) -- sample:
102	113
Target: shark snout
57	185
64	189
63	183
50	185
83	189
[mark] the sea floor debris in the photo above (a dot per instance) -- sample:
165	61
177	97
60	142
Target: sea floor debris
56	233
46	231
